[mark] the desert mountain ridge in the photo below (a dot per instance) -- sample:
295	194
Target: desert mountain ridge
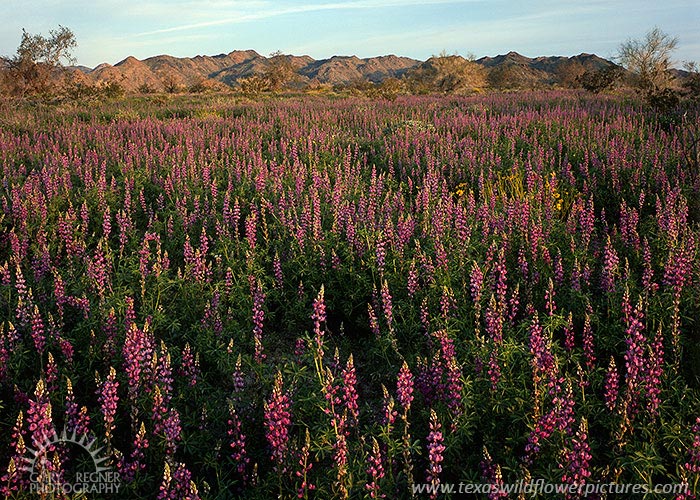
227	70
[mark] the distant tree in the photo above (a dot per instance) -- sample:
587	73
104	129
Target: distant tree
112	90
146	88
358	86
38	58
198	87
691	83
391	88
280	71
649	60
4	74
253	84
81	91
171	85
447	74
598	80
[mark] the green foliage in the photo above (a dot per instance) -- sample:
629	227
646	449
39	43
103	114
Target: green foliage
334	187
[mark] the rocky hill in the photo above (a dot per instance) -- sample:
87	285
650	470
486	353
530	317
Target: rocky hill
163	72
515	70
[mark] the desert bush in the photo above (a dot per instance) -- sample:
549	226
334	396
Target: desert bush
146	88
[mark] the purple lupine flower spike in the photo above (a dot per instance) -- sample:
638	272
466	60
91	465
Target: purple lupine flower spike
404	387
305	466
375	470
612	383
577	461
109	399
277	423
693	463
436	449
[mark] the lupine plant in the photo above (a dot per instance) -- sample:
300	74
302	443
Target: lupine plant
316	298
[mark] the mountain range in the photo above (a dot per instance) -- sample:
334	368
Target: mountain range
226	70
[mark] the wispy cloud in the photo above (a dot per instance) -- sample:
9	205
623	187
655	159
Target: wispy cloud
267	10
553	29
112	29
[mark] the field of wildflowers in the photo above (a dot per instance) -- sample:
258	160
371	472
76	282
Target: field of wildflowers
317	298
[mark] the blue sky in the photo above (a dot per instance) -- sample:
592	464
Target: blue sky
110	30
